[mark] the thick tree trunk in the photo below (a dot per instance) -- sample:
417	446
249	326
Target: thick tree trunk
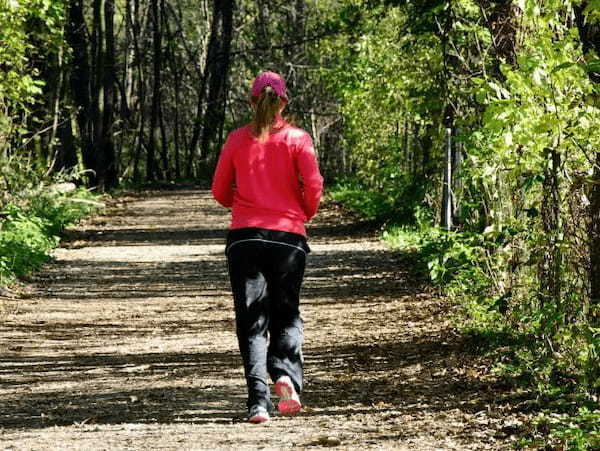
100	74
502	19
76	34
218	71
589	33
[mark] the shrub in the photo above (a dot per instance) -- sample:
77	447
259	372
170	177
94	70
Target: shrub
393	202
30	230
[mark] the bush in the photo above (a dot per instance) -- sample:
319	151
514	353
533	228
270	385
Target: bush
30	230
24	245
393	202
579	430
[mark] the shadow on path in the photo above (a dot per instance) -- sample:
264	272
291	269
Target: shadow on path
378	341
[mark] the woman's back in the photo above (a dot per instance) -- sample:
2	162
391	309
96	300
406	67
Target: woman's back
277	181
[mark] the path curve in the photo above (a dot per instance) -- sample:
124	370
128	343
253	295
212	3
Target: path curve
127	342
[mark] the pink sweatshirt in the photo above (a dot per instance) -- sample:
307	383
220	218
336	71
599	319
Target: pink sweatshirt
274	184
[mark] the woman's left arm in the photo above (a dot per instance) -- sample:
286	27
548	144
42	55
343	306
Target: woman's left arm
311	177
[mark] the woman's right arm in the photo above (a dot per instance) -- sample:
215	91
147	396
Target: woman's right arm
224	177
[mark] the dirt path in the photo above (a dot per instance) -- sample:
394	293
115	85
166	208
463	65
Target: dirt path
127	342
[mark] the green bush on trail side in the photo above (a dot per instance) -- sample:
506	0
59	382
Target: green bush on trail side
30	229
392	201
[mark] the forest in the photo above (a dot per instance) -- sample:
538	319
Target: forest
468	129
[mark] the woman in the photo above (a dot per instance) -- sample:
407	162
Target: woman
268	175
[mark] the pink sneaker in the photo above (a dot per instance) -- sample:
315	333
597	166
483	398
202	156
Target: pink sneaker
289	401
258	414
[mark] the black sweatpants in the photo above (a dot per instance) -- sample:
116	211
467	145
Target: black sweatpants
266	268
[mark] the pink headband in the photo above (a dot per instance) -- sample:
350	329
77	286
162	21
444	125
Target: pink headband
269	79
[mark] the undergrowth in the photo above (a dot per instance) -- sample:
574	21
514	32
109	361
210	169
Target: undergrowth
386	204
30	227
556	361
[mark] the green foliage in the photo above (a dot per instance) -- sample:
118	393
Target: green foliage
29	31
450	259
24	245
30	230
393	203
574	431
527	166
517	260
386	83
61	210
406	237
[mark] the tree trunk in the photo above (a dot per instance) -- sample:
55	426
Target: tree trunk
192	151
97	91
589	33
64	156
296	31
108	167
448	115
175	68
263	36
66	152
56	78
176	126
502	19
595	233
161	118
141	92
76	34
129	55
218	70
155	111
551	263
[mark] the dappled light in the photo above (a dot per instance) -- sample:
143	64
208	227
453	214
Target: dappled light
135	328
452	295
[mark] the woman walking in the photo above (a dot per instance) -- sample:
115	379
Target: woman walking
268	175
